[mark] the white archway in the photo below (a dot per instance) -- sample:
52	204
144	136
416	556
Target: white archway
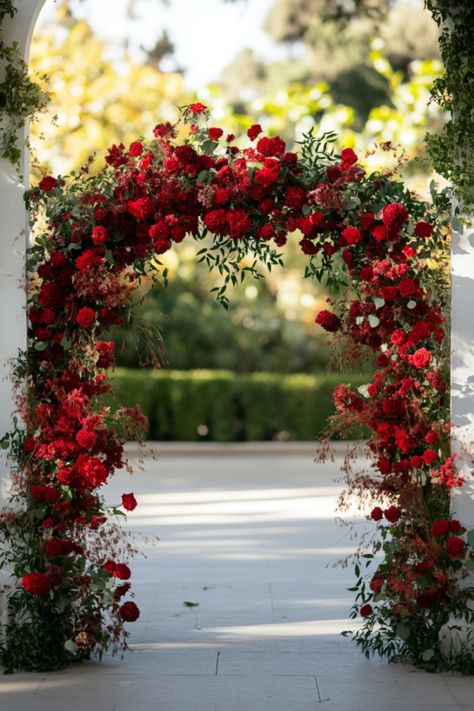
12	298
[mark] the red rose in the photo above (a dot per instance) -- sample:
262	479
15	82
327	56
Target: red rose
398	337
429	455
197	108
456	547
392	514
121	590
47	183
394	215
366	610
106	351
352	235
38	492
142	208
420	358
348	156
109	566
99	235
440	527
85	317
88	259
121	571
425	600
65	475
271	146
379	233
136	149
54	547
455	526
367	220
216	221
35	583
238	222
308	247
129	502
129	612
329	321
423	229
376	514
215	133
254	131
376	583
86	438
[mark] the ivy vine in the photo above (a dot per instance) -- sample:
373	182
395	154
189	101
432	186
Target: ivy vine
452	150
20	97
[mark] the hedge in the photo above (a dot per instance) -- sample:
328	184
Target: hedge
222	406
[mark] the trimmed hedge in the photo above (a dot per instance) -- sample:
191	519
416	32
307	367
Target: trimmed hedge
222	406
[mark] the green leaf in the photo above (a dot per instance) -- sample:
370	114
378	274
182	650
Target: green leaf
470	538
188	603
427	655
208	146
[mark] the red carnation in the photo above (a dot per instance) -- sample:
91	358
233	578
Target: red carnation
329	321
420	358
423	229
99	235
352	235
129	502
215	133
85	317
440	527
392	514
456	547
35	583
254	131
47	183
394	215
129	612
366	610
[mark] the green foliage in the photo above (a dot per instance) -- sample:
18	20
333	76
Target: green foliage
452	151
227	407
19	96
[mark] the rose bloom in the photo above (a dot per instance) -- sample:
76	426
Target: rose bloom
85	317
392	514
86	438
215	133
429	456
271	146
456	547
35	583
99	235
394	215
254	131
420	358
197	108
423	229
129	612
136	149
329	321
352	235
349	156
376	513
129	501
121	571
366	610
47	183
440	527
54	547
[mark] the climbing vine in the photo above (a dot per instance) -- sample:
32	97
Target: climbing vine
451	151
20	97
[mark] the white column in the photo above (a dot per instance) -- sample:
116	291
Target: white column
13	238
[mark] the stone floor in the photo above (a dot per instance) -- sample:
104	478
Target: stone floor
248	536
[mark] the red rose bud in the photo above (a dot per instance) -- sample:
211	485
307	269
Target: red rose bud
392	514
121	571
366	610
129	502
129	612
376	514
329	321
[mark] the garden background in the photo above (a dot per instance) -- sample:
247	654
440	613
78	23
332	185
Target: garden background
257	371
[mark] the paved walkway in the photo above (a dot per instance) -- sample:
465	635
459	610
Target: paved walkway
250	539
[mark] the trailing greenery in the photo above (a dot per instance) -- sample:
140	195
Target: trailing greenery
452	150
228	407
19	96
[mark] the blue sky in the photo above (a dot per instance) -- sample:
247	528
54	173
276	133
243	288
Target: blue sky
207	33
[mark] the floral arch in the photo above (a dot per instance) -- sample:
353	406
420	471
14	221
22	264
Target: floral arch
95	238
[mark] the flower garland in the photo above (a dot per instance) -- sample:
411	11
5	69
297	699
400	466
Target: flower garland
95	237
